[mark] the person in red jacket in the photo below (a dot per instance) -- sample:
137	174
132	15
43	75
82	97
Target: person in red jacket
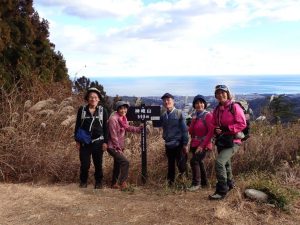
229	121
118	126
199	129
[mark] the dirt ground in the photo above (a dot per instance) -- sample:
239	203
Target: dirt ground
67	205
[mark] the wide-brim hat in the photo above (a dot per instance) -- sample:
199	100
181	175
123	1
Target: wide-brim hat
200	98
92	89
121	103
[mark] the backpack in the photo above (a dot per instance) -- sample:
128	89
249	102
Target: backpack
84	136
99	116
247	111
178	113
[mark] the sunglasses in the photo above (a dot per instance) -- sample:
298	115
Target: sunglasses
221	86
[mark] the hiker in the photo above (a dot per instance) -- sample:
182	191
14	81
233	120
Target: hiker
175	134
118	126
229	121
91	136
200	130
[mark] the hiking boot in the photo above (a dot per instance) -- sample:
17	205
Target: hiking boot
194	188
115	186
83	185
123	186
216	196
98	185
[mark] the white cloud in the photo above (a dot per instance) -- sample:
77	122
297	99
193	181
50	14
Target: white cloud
166	38
96	8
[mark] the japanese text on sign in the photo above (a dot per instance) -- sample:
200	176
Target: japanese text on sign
143	113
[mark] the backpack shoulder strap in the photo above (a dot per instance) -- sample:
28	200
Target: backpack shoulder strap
217	112
204	116
100	114
231	108
203	119
83	113
163	115
179	113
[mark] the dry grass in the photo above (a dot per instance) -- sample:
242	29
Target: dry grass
63	205
268	147
36	147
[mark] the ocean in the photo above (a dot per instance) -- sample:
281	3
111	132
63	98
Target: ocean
192	85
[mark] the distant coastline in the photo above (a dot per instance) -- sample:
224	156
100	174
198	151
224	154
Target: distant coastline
192	85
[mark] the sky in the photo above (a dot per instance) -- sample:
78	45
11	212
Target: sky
154	38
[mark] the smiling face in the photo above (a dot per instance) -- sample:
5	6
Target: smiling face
168	103
222	96
122	110
199	106
93	99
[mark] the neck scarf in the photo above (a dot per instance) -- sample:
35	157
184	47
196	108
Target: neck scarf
123	121
200	114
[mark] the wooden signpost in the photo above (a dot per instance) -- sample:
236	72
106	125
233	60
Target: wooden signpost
143	113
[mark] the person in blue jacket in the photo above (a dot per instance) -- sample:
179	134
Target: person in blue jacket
175	134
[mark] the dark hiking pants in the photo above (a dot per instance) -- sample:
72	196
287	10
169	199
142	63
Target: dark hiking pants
198	168
85	153
175	156
121	166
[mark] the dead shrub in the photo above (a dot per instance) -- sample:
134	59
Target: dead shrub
267	147
38	148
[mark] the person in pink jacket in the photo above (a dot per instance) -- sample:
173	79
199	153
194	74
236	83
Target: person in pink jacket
118	126
229	121
200	130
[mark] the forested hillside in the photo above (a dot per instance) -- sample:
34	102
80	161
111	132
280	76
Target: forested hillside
26	53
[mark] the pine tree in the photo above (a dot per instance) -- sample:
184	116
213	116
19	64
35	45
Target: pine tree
26	53
281	109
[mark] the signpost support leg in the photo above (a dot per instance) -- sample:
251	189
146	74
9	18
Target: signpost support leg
144	113
144	153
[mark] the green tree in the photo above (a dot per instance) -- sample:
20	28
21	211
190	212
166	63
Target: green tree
26	53
281	109
82	84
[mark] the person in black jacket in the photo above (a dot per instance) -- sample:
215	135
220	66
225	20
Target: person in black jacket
91	120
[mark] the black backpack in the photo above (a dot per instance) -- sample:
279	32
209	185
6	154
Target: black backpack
99	116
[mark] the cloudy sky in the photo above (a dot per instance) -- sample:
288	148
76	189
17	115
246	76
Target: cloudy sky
101	38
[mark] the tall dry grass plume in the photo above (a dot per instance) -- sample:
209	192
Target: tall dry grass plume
37	145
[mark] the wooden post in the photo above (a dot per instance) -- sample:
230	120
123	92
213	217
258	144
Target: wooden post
144	153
